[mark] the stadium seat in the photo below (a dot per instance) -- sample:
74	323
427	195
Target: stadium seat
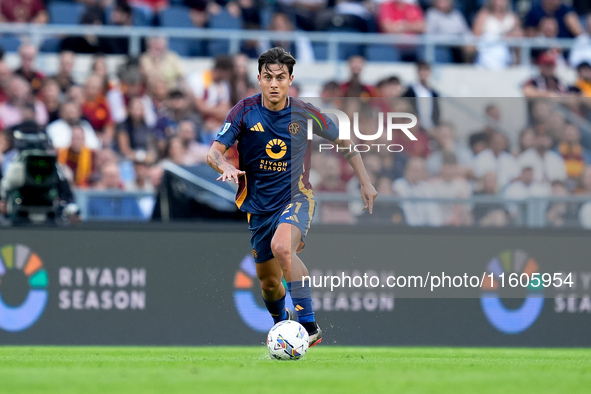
320	50
175	16
50	45
10	44
178	17
266	13
62	13
141	18
381	53
180	46
222	21
347	50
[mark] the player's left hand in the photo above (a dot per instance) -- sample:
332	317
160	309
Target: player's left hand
368	195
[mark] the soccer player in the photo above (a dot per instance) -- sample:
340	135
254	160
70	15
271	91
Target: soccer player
274	156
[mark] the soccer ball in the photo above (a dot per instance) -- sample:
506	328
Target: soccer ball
287	340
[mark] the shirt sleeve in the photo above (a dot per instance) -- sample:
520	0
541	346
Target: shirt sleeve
323	126
231	128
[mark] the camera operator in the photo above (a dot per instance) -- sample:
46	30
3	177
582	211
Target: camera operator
33	188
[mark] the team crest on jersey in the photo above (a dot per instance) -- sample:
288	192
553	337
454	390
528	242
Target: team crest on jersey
294	128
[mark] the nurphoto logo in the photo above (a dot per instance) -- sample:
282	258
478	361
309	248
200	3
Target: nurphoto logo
392	124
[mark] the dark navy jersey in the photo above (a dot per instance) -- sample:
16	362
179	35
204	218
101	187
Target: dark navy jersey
274	151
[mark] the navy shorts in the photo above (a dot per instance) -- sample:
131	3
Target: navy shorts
298	212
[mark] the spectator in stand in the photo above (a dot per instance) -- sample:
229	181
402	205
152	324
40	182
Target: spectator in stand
50	97
568	21
158	60
495	159
64	75
211	95
294	90
575	156
346	15
121	15
76	94
60	131
547	165
583	82
397	16
493	117
331	182
158	93
19	97
110	177
443	19
78	157
389	87
478	142
28	54
329	94
489	214
354	87
548	29
240	83
546	84
7	150
452	185
142	181
581	50
23	11
492	23
561	213
301	48
195	152
88	43
135	139
5	77
447	143
149	8
132	86
584	189
525	141
418	148
401	17
523	188
96	110
174	152
99	68
388	91
304	12
424	97
177	109
413	185
584	182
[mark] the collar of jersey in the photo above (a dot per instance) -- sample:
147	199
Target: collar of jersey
287	107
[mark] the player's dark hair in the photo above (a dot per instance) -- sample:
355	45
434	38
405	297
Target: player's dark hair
278	56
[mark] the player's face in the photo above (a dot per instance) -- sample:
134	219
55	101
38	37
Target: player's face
275	81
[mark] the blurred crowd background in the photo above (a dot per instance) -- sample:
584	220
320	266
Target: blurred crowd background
116	131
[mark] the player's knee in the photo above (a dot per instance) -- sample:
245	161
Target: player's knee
270	284
281	250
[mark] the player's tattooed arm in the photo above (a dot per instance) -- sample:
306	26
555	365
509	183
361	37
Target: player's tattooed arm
368	192
216	159
346	149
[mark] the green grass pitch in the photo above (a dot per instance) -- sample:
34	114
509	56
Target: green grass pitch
325	369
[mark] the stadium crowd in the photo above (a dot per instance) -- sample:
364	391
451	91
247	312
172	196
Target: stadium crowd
115	132
492	20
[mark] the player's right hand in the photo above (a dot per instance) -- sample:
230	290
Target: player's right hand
234	173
